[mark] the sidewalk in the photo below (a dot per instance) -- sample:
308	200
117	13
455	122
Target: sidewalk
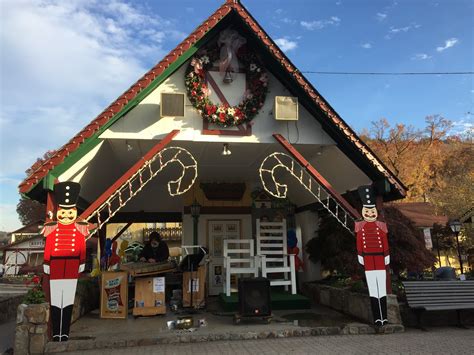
435	341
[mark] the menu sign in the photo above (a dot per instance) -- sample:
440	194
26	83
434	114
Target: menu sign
114	295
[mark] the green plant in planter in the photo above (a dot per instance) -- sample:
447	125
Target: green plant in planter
35	296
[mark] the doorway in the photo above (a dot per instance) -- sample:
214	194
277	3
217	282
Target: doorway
218	231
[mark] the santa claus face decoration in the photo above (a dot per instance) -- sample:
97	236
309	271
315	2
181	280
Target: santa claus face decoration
66	215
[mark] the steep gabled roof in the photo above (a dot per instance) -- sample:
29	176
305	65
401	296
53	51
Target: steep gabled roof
180	54
33	227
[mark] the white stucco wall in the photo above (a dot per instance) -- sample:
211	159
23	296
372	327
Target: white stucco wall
144	122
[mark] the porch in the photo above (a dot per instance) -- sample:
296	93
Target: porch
91	332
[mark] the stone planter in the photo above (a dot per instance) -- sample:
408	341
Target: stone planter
31	332
354	304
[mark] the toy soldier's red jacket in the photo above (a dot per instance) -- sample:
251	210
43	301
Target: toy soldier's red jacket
372	244
65	249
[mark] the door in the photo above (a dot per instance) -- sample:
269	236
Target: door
218	230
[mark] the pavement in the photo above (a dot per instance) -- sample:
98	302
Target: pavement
435	341
7	335
91	332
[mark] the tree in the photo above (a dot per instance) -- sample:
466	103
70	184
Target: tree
335	247
28	210
453	193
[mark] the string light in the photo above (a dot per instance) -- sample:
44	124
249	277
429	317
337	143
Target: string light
277	160
179	155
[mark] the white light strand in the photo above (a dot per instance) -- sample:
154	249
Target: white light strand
188	169
275	161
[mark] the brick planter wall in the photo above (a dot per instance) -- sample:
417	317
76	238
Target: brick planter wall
354	304
31	332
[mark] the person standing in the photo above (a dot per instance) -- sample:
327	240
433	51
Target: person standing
64	256
373	254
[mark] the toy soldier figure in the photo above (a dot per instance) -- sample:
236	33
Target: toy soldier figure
373	254
64	256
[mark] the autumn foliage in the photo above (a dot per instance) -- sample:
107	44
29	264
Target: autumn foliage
435	167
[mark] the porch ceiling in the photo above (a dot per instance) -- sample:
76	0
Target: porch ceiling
242	166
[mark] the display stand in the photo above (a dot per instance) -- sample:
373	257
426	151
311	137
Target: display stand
193	280
149	296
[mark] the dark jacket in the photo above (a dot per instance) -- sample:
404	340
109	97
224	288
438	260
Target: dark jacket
160	253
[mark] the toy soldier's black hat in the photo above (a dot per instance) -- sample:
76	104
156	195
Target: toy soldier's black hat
66	194
367	196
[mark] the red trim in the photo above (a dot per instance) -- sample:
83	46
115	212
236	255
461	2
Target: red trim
243	131
120	181
50	206
316	175
217	89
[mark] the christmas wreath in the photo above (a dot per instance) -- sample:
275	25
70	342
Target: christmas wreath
222	114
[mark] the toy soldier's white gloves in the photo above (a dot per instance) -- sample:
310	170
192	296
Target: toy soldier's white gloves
387	260
361	259
82	268
46	269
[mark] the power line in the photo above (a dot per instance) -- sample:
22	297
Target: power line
387	73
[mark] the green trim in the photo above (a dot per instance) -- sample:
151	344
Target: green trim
48	181
94	140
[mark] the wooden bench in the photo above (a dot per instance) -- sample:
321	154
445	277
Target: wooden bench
439	296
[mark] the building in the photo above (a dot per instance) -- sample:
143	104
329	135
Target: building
423	215
198	138
25	252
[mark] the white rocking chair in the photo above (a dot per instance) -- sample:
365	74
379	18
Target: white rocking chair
272	251
239	258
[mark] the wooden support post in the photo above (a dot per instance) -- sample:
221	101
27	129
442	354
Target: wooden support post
117	236
102	234
380	211
50	213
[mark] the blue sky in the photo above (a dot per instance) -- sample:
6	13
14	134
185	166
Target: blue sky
62	62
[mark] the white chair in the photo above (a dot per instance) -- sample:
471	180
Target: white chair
272	251
239	258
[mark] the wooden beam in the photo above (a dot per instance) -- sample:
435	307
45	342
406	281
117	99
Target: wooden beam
129	173
144	217
316	175
121	231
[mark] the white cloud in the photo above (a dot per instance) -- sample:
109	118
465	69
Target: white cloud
288	21
380	16
463	126
448	44
398	30
320	24
285	44
366	45
421	56
67	60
